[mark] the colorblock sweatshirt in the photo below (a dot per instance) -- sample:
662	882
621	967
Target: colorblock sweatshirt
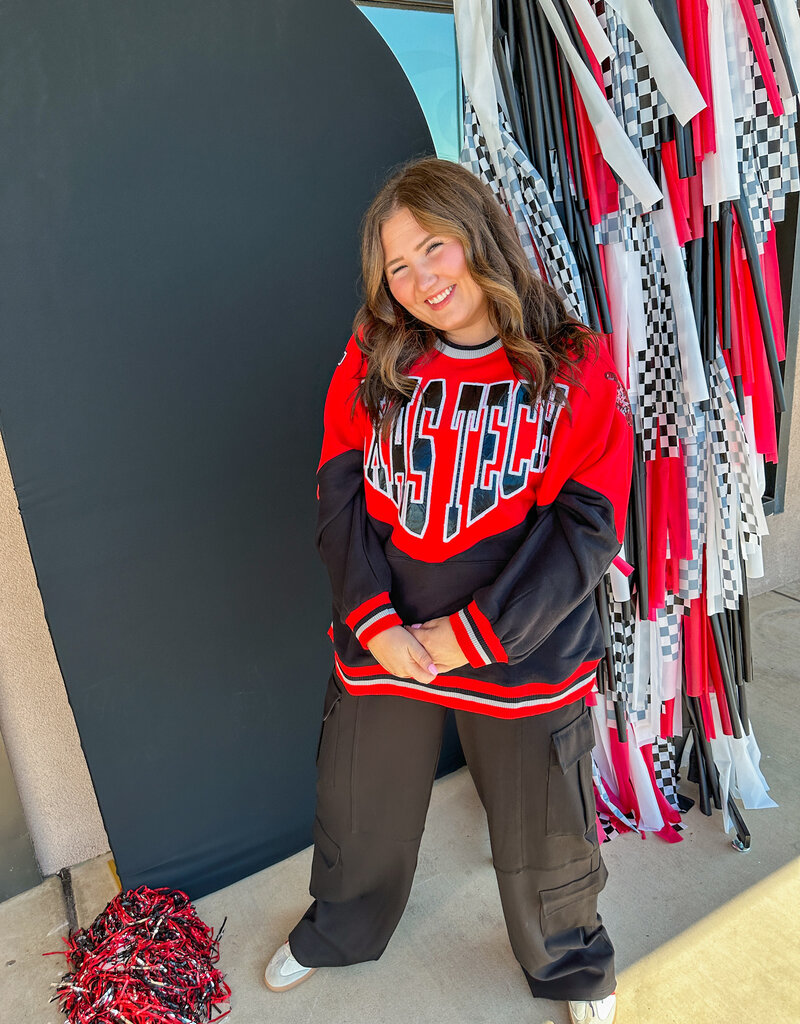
479	506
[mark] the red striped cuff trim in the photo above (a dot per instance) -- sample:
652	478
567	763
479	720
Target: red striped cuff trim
487	633
357	614
477	656
373	617
476	637
377	623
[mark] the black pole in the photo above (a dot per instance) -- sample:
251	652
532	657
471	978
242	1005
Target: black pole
601	599
734	627
727	678
724	239
704	751
742	831
510	94
709	304
780	42
589	247
680	149
572	127
533	93
744	622
638	491
751	251
548	43
567	18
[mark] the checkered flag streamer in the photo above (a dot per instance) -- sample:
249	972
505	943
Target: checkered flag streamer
664	765
695	454
661	401
521	189
668	621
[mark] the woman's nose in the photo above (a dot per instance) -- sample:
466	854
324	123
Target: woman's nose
425	279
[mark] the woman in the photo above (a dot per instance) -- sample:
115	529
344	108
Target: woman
472	492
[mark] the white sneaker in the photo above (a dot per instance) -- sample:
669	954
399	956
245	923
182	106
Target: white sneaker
595	1011
284	972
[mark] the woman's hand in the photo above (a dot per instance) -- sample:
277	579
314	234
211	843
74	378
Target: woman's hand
402	655
440	642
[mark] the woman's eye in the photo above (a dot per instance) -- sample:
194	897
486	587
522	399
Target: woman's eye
432	246
395	270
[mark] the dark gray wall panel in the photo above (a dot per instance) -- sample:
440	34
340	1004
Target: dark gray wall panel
182	182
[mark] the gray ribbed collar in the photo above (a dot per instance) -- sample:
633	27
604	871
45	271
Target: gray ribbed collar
468	351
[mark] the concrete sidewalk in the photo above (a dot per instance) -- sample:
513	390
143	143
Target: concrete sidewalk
703	933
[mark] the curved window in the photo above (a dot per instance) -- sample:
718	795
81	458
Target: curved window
424	43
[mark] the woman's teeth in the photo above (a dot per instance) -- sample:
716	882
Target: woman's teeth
436	299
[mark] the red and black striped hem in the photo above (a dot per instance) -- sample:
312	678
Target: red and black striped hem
373	617
476	638
466	694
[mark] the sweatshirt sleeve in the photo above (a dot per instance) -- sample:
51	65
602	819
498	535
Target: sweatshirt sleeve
348	544
582	504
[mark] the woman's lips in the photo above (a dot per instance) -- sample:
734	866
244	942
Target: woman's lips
444	302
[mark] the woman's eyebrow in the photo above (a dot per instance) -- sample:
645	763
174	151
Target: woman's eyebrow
399	259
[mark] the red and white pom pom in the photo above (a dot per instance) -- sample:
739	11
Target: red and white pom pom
146	959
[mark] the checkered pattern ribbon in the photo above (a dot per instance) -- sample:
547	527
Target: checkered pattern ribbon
521	189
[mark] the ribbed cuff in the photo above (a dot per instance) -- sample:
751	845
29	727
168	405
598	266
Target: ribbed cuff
476	638
373	617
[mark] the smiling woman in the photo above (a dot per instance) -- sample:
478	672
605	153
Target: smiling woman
472	491
428	275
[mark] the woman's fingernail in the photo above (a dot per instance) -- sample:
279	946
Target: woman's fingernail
416	625
434	671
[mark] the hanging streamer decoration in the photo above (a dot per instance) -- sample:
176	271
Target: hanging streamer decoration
645	149
146	959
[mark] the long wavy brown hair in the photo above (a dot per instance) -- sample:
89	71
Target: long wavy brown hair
540	337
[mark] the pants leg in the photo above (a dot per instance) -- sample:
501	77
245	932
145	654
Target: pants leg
376	762
534	778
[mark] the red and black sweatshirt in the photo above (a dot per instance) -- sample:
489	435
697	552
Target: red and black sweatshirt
500	515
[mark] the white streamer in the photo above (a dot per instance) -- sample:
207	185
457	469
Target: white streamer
737	762
671	75
590	26
473	20
720	169
617	148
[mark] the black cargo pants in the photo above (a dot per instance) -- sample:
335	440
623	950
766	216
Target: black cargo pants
376	762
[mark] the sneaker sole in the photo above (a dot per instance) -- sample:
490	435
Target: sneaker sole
292	984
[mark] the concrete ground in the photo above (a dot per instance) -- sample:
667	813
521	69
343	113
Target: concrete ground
703	933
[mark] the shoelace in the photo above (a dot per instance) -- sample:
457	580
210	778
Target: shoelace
598	1005
595	1006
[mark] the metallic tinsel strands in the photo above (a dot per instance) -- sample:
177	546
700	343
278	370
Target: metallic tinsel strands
146	959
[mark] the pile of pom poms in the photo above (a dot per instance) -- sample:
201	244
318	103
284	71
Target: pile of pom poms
146	959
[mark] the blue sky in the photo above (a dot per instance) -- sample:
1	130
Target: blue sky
424	44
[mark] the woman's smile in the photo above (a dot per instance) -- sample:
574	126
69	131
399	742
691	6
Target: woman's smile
439	300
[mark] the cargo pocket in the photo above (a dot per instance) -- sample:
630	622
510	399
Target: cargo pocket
326	864
570	798
569	908
329	734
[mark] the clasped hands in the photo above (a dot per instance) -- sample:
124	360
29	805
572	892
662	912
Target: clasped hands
419	651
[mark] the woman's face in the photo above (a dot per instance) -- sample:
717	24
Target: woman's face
428	275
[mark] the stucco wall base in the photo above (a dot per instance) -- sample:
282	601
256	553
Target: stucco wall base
35	717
